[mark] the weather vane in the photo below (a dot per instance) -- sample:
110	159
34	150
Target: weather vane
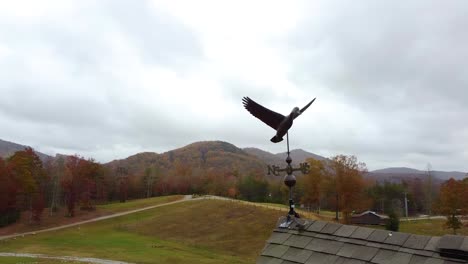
281	124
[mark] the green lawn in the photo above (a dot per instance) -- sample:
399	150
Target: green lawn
432	227
204	231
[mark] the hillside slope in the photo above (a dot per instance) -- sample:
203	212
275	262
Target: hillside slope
297	155
205	155
9	148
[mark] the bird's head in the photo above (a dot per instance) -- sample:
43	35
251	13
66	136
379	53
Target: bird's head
295	112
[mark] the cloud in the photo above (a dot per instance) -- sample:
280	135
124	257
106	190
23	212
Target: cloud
108	79
401	68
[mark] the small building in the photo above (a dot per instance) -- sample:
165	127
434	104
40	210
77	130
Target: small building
368	218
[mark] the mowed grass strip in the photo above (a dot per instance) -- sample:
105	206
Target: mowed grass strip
136	204
201	231
24	260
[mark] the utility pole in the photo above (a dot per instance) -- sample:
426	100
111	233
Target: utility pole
406	206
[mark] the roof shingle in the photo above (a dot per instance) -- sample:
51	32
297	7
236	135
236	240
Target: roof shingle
323	242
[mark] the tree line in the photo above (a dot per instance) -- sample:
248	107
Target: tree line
338	184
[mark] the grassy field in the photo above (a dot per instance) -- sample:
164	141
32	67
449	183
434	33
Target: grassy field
204	231
433	227
199	231
59	217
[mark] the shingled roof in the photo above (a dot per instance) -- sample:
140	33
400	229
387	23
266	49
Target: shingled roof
327	242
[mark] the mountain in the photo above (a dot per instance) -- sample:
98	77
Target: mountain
300	155
297	155
205	155
9	148
401	172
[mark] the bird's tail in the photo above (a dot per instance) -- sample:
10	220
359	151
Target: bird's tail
276	139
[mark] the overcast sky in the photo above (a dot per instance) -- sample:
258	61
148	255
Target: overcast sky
108	79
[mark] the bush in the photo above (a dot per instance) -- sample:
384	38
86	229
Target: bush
454	223
393	222
9	217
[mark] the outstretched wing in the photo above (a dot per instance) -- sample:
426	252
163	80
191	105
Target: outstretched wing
307	106
268	117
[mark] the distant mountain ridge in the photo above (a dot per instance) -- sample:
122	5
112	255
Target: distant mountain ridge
399	171
9	148
219	154
297	155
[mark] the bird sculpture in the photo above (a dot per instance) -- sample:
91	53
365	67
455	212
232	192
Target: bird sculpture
278	122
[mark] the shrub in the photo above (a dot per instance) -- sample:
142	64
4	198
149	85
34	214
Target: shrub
393	222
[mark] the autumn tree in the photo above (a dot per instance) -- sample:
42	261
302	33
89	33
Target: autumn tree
453	201
253	188
385	196
344	180
312	183
122	176
9	213
27	171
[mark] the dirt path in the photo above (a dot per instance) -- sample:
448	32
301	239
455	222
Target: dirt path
65	258
186	198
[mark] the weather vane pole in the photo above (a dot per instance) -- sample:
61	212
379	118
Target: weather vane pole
281	124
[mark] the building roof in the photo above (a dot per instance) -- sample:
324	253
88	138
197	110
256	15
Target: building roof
327	242
370	212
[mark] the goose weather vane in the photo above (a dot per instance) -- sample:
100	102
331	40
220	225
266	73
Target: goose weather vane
281	124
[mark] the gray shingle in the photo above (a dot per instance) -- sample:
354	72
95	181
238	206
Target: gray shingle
317	226
365	253
324	246
332	247
434	261
288	262
379	235
397	238
276	251
464	245
352	241
383	256
297	255
353	261
278	238
330	228
325	236
432	244
268	260
416	252
417	259
339	260
340	244
347	250
417	241
321	258
345	230
451	242
298	241
362	233
401	258
389	247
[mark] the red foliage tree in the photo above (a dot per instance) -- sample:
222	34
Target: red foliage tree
27	171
